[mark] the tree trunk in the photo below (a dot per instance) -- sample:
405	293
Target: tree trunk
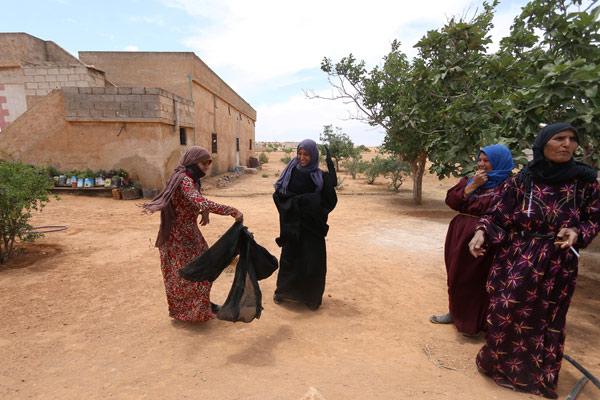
418	169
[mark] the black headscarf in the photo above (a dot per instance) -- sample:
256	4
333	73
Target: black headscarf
542	170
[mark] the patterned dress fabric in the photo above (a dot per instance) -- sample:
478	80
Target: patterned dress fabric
188	301
531	280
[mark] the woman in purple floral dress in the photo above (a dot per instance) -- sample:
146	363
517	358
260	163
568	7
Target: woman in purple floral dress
179	239
547	212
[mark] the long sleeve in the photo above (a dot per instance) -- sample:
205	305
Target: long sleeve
455	197
200	202
328	195
500	219
589	225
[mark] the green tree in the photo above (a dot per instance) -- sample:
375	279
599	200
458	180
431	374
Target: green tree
339	143
23	190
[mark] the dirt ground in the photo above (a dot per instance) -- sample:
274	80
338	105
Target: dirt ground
84	315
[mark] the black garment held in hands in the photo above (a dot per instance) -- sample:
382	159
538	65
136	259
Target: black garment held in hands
244	302
303	216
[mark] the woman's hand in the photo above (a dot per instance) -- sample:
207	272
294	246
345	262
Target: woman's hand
205	218
566	237
479	179
476	244
239	217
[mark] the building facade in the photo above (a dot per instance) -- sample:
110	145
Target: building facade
108	110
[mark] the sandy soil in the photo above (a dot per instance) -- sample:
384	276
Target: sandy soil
84	314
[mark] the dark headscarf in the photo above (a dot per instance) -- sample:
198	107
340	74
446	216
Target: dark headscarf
162	201
313	168
502	163
542	170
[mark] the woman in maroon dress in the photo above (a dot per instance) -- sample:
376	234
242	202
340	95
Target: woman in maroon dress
546	213
466	274
179	240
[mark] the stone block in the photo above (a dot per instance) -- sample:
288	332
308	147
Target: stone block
152	90
132	98
98	90
30	92
84	114
52	71
152	106
122	114
135	113
63	78
137	90
113	105
111	90
83	83
109	114
29	71
104	97
41	92
74	78
85	90
70	90
31	85
150	98
124	90
96	113
151	114
43	85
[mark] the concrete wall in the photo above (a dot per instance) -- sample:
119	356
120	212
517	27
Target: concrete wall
135	104
218	109
18	48
42	136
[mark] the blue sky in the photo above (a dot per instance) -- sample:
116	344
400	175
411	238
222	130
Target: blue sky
269	51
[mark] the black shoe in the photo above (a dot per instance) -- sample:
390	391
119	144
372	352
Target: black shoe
215	308
277	299
313	306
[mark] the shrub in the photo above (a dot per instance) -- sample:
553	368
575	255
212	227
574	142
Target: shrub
286	159
23	189
354	165
263	158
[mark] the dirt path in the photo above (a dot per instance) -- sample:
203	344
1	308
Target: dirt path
84	313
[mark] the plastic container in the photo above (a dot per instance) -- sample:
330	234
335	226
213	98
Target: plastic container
80	183
74	181
62	180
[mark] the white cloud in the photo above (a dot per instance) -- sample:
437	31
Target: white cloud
299	118
131	47
256	45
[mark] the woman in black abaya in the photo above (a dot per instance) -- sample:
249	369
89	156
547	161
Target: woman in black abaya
304	196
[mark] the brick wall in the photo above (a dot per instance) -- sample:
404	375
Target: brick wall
127	104
41	79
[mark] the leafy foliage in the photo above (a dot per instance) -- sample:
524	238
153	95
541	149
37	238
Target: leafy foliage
455	96
23	189
263	158
339	143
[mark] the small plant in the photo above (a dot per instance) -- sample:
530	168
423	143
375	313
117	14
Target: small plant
52	171
23	189
354	165
263	158
265	175
286	159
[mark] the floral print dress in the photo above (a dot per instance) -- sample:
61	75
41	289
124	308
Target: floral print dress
531	280
188	301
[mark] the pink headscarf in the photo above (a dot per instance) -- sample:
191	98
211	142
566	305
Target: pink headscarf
162	201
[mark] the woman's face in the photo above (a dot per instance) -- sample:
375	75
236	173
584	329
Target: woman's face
204	165
484	164
303	157
560	147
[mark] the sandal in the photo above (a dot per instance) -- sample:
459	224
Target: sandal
441	319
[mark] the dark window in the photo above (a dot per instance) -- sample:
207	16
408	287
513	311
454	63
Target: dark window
182	137
214	143
237	144
229	108
250	141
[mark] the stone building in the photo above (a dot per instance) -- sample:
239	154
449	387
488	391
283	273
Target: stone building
108	110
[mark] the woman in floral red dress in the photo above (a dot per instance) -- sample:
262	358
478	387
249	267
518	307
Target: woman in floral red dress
179	239
546	213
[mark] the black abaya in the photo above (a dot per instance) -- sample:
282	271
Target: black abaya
303	226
